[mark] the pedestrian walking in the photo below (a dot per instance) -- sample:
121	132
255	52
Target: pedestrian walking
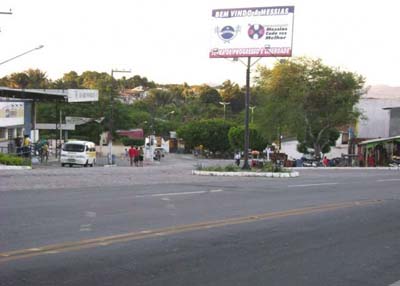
141	156
158	155
27	146
131	153
325	162
237	158
45	152
136	157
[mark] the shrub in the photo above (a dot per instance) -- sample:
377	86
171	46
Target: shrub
6	159
273	167
232	168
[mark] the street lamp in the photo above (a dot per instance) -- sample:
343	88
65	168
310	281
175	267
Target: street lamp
20	55
252	113
110	153
224	104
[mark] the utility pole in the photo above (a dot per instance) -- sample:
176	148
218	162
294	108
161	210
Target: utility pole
246	165
110	138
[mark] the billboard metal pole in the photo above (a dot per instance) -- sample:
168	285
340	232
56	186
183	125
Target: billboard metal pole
240	33
246	165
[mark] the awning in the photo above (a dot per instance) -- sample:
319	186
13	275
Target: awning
374	142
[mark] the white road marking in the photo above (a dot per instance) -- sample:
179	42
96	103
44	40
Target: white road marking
178	194
51	252
104	243
388	180
216	191
312	185
90	214
85	227
395	283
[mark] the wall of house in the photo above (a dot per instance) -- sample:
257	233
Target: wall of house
394	128
376	121
290	148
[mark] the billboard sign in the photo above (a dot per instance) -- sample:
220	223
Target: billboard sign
252	32
82	95
77	120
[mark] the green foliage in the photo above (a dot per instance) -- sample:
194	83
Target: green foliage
166	108
232	168
32	78
267	167
6	159
218	168
159	97
212	134
136	81
232	93
126	141
305	98
272	168
208	94
330	137
236	138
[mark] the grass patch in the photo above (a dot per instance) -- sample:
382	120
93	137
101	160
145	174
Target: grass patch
267	167
6	159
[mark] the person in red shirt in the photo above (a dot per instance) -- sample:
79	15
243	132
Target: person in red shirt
136	156
371	160
325	162
132	153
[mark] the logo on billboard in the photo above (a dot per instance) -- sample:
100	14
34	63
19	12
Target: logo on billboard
227	33
256	31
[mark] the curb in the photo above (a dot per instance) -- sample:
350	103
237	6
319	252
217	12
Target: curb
246	174
6	167
346	168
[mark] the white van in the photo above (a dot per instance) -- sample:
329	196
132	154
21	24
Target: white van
78	153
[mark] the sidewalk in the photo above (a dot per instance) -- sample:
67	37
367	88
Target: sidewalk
101	161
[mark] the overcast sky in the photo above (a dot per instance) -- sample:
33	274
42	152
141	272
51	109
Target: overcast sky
168	41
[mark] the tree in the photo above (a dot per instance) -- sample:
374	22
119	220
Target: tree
236	138
308	99
159	97
208	94
231	92
211	133
37	79
18	80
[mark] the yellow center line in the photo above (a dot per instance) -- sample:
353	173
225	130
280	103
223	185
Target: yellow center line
108	240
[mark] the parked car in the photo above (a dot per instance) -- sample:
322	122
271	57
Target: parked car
78	153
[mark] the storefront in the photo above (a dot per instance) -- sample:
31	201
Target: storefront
378	152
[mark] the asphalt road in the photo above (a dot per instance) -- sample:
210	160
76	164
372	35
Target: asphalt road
159	225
